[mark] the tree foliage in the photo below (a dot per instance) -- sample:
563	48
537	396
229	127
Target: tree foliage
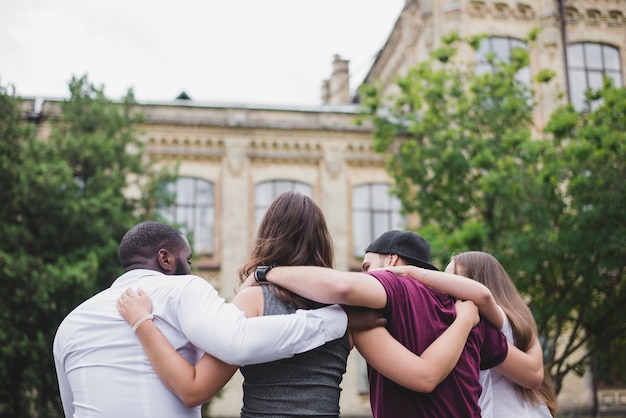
67	200
590	274
465	156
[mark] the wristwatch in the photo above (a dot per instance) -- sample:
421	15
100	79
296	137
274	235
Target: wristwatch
261	271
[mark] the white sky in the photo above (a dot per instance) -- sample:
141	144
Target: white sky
234	51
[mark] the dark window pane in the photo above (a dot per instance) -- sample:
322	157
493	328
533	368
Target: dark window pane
193	212
267	191
611	58
374	211
575	55
501	47
578	85
617	78
482	50
593	56
595	80
588	63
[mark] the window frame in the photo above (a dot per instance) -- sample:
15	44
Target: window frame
194	217
371	214
587	70
277	187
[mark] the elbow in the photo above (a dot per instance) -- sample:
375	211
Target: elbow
424	386
537	379
484	297
428	387
427	383
532	380
344	293
191	400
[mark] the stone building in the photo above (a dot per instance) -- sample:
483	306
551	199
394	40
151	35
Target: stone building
235	159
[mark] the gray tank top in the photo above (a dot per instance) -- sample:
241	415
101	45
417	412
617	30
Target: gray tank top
306	384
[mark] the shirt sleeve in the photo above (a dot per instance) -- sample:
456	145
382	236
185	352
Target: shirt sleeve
494	348
222	330
67	397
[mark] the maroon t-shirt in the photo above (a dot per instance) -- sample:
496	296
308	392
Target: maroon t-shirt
416	316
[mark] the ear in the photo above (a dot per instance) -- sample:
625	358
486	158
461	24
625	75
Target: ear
166	261
393	259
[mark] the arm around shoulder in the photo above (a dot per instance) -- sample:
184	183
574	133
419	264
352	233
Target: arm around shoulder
222	330
326	285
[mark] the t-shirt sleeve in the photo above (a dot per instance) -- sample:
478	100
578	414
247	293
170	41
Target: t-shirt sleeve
494	348
222	330
392	287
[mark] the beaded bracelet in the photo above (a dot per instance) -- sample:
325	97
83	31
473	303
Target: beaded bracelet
142	320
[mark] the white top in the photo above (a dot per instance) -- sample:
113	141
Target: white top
104	372
499	398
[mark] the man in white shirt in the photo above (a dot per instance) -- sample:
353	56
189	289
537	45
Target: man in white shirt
104	372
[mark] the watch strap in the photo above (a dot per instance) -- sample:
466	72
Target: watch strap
261	272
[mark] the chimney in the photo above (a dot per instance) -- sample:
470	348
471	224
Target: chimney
337	89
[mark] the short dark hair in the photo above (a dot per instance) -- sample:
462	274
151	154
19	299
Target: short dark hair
145	239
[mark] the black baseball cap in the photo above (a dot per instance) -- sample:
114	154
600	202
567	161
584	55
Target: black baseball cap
413	248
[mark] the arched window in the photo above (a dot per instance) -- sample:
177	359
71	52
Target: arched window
194	212
374	211
587	64
265	192
501	47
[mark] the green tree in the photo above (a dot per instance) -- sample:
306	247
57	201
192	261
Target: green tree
67	201
591	235
461	150
450	135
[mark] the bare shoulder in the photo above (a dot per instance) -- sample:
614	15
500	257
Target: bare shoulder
250	301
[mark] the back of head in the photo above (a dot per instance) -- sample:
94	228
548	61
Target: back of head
486	269
293	232
411	247
139	246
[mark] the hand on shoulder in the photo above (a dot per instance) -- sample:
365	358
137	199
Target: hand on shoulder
134	305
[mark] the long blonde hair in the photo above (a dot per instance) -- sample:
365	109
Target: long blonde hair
486	269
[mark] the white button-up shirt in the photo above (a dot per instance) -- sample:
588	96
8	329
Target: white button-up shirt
104	372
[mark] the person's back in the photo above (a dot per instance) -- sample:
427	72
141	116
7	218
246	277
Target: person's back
304	385
101	367
416	316
104	364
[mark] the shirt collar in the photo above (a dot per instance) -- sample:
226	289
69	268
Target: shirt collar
126	279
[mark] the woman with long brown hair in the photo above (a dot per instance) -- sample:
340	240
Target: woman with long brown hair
293	232
501	397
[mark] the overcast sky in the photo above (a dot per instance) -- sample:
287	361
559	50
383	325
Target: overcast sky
235	51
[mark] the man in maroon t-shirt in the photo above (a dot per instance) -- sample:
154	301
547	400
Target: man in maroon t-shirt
416	317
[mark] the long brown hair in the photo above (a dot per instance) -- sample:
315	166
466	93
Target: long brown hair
486	269
293	232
